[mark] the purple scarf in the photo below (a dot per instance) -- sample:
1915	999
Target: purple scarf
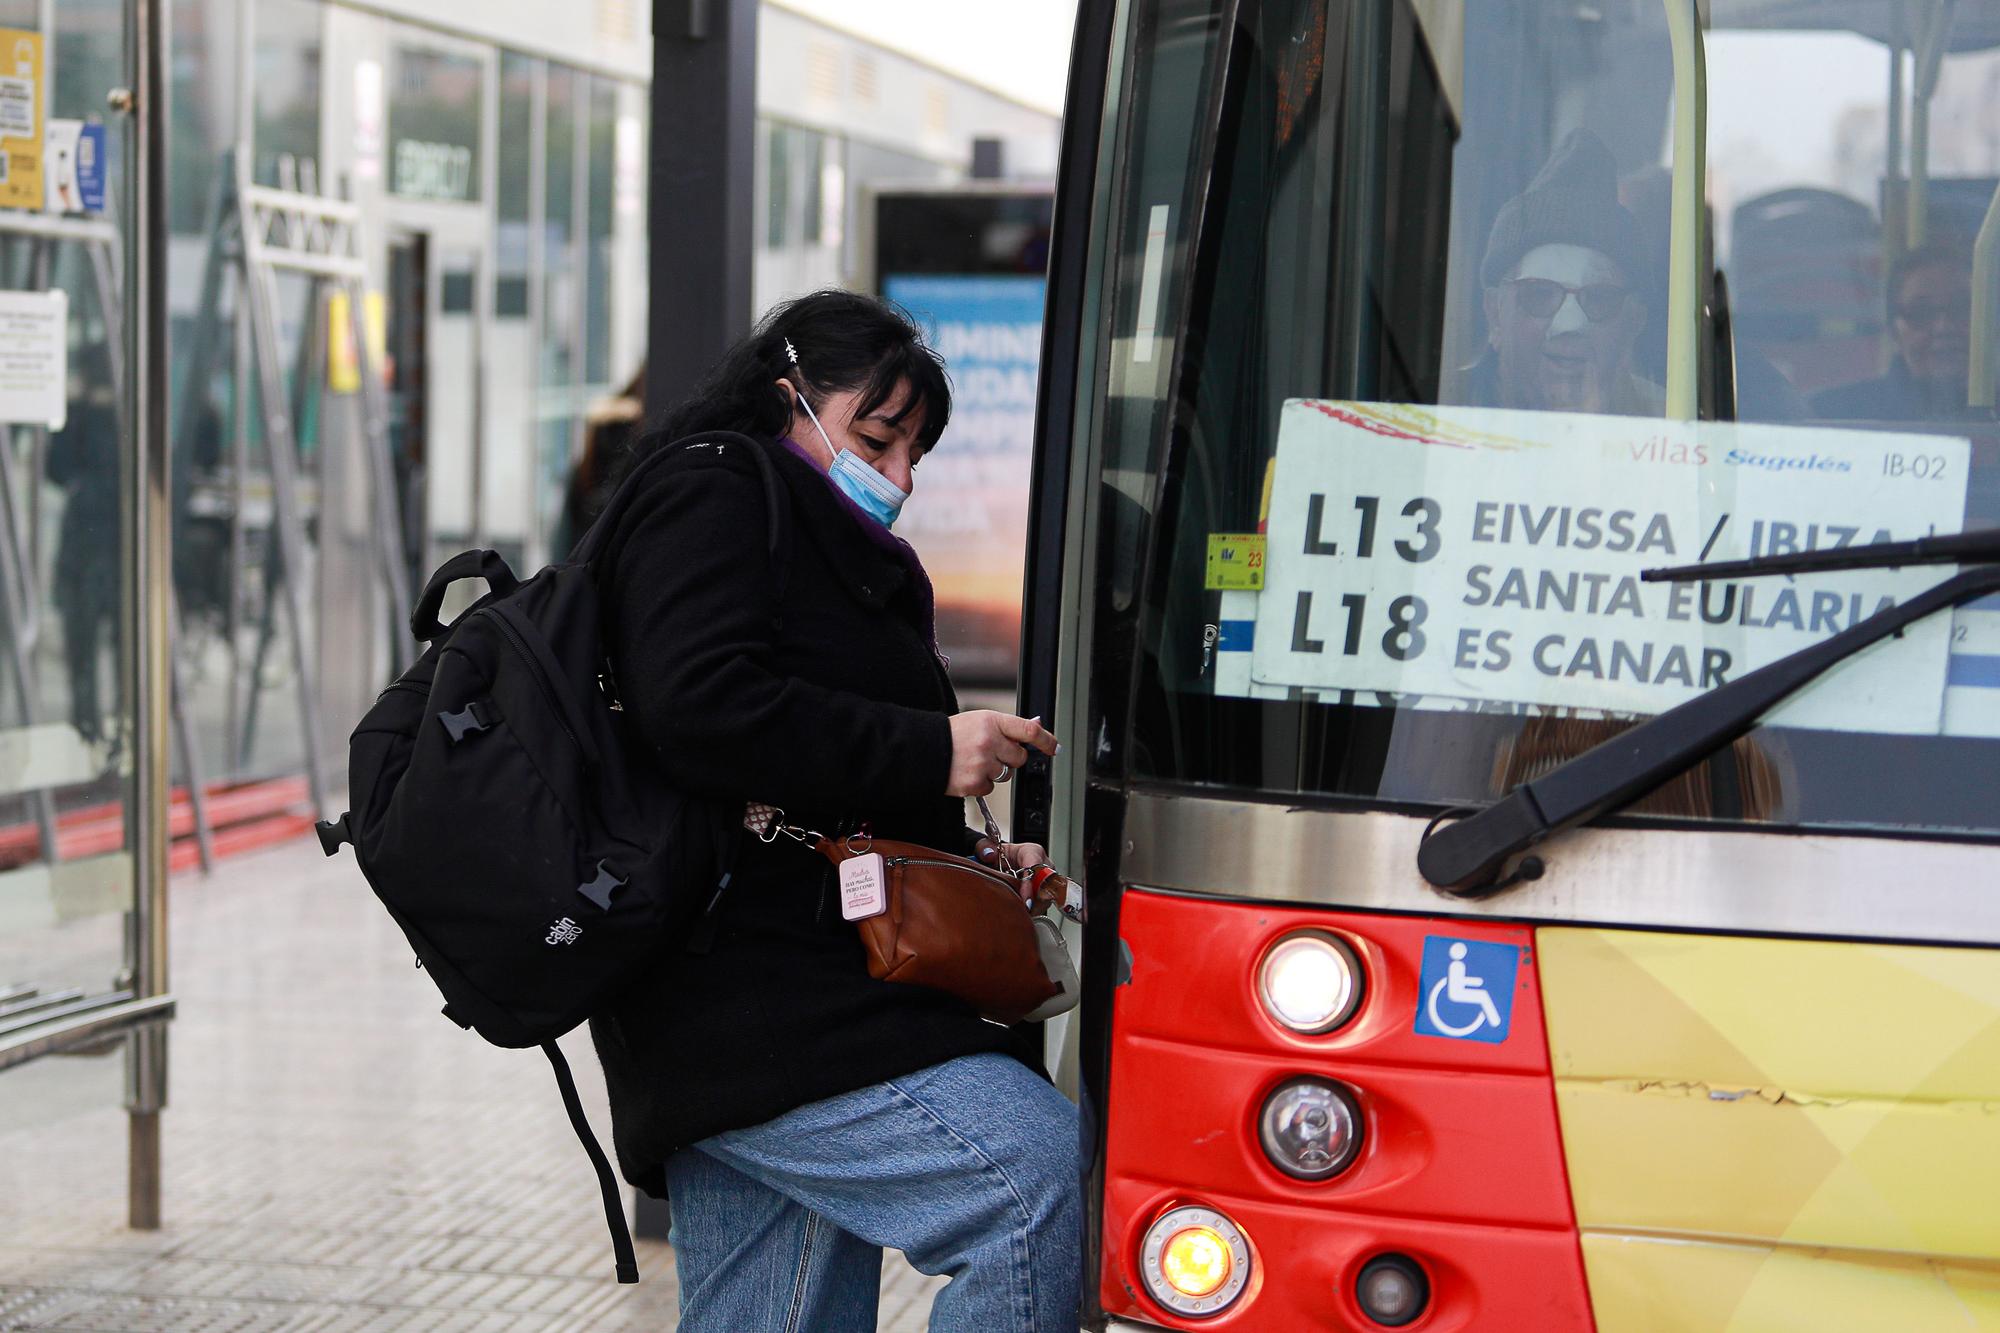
890	544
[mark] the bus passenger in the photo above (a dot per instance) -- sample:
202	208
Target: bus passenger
1930	320
800	1114
1561	271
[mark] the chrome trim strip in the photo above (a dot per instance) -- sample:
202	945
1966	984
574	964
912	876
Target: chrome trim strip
1691	879
121	1015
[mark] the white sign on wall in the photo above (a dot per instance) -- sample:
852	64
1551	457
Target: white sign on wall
368	119
34	358
1493	556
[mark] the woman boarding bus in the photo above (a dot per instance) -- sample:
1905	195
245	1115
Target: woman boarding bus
1491	927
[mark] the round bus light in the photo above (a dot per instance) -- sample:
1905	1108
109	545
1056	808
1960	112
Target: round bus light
1195	1261
1310	982
1310	1128
1392	1290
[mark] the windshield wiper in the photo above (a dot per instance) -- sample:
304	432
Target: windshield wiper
1466	857
1958	548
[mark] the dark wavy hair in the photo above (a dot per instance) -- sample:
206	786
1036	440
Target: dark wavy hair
846	342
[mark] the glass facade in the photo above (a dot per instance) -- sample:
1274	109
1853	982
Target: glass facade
559	420
502	195
497	198
498	225
285	90
67	727
435	123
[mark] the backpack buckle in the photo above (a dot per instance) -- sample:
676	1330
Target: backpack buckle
332	833
600	888
475	717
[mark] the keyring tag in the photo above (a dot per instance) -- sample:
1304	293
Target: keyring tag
864	887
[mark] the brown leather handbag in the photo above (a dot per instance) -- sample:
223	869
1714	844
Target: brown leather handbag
952	924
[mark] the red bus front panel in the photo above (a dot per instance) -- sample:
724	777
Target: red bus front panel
1460	1166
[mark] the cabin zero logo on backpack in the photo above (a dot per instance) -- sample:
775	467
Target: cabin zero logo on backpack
564	931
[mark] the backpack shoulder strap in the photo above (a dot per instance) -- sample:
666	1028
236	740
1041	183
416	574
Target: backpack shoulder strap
775	499
778	510
614	1206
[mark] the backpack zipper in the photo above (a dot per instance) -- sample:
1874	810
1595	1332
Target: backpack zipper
540	673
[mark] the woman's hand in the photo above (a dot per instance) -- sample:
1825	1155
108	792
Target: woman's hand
1020	856
986	744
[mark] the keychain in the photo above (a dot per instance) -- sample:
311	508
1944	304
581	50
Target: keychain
1037	877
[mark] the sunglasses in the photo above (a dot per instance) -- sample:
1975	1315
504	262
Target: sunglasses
1539	298
1932	312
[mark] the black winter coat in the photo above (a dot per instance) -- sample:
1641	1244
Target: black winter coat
830	702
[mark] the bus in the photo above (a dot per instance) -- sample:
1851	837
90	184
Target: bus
1506	559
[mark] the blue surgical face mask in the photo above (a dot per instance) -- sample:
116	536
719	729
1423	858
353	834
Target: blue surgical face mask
877	496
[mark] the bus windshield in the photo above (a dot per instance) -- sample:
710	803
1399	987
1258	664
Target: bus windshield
1488	307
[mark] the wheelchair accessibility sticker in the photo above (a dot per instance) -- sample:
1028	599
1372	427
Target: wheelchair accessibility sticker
1466	990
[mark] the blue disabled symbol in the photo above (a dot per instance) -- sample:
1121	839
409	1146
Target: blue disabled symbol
1467	989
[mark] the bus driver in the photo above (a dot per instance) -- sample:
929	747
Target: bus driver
1561	268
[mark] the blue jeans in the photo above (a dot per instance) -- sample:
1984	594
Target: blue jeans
968	1167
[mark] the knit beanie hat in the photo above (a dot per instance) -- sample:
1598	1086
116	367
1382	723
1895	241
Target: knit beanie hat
1573	200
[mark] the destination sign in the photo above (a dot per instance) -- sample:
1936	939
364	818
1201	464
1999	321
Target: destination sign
1494	556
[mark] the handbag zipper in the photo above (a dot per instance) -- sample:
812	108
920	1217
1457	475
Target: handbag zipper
993	876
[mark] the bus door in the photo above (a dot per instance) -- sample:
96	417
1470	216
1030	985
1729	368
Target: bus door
1391	344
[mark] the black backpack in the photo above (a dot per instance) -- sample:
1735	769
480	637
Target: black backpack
509	818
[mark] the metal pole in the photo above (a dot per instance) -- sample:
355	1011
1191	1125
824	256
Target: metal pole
374	431
579	256
1892	155
111	300
1985	267
1684	272
538	263
242	685
148	564
288	522
1931	46
1357	369
41	274
703	149
702	197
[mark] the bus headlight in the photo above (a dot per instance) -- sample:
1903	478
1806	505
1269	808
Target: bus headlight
1195	1261
1310	982
1310	1128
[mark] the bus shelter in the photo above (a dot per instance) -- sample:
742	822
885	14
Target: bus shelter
84	594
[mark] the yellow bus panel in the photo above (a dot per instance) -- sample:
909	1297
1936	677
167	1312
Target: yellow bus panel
1645	1285
1823	1117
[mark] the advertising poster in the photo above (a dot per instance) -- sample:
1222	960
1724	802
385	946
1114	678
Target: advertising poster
73	167
969	518
20	119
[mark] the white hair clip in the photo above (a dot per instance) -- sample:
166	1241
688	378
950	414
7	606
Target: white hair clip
800	395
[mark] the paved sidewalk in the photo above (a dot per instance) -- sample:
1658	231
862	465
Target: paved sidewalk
338	1156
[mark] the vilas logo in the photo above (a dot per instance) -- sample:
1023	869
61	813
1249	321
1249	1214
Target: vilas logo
564	931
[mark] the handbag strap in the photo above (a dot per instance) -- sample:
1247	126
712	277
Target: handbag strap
1046	886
